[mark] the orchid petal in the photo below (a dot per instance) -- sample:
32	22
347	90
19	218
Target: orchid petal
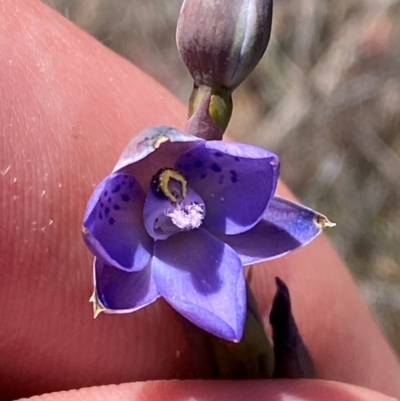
202	278
113	223
140	159
284	226
236	182
122	292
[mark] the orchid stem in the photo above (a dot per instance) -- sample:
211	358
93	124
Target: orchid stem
210	111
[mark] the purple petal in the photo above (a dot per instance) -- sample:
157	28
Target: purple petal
154	148
122	292
113	223
158	225
284	227
202	278
236	182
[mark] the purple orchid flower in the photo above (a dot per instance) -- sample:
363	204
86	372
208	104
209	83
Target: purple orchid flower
179	217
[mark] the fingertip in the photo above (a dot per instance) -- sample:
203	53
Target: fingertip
278	390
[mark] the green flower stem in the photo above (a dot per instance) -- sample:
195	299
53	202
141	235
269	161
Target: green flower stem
210	111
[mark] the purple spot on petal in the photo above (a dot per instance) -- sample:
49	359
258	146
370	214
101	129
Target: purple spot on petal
198	163
125	198
109	199
131	184
218	154
105	194
107	210
100	216
203	176
117	207
101	204
116	189
123	182
237	158
111	220
216	168
233	176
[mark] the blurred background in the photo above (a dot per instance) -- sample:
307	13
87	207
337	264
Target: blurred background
325	97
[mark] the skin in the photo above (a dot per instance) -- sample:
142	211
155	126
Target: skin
68	106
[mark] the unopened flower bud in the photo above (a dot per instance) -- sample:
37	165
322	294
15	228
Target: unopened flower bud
221	41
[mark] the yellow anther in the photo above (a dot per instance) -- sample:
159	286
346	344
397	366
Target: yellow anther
164	181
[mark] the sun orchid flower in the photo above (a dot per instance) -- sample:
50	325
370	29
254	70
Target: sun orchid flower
179	217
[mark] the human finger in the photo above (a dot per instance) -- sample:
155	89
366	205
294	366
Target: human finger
69	106
280	390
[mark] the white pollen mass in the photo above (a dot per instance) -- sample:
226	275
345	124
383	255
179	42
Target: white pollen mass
187	217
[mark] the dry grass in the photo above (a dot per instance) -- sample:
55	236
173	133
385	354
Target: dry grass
326	98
